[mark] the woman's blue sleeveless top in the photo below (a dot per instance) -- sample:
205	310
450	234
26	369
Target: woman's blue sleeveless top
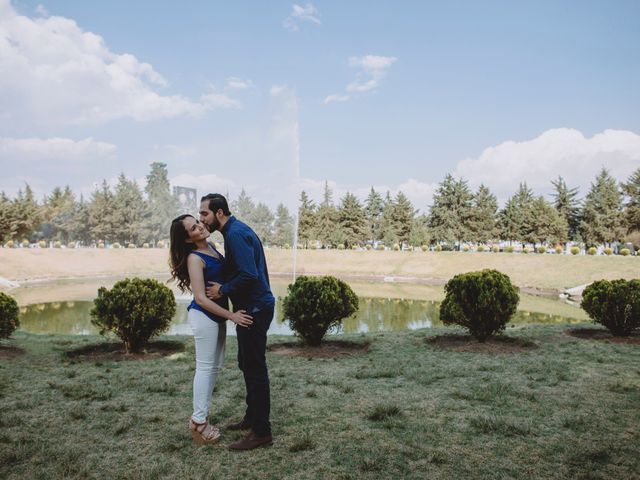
212	273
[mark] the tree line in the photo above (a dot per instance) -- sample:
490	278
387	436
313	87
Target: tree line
608	214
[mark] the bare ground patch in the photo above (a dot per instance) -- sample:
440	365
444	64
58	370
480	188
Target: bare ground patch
500	344
602	334
115	351
11	351
328	349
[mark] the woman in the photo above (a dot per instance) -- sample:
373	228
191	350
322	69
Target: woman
195	262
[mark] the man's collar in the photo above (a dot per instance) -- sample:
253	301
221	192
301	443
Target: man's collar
229	221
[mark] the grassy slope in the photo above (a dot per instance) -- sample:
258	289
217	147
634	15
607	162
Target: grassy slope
543	271
567	410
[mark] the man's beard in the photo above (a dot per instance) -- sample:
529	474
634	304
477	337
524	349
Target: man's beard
215	224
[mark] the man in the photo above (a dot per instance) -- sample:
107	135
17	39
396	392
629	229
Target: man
247	285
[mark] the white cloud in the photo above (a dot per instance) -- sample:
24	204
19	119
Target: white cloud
21	149
299	14
54	72
236	83
277	90
561	151
41	10
336	98
372	69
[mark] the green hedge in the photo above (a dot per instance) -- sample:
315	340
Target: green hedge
614	304
9	315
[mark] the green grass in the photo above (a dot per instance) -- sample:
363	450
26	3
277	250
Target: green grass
404	409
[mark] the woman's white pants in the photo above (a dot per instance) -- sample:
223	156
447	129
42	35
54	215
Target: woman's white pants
210	339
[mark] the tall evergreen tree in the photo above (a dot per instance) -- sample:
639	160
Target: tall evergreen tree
546	225
352	221
631	189
327	217
565	200
58	211
79	225
306	220
515	220
482	217
450	213
602	217
387	225
6	216
103	223
26	214
283	226
129	209
402	217
262	223
244	208
162	206
374	207
420	234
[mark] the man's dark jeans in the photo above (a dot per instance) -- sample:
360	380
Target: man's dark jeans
252	345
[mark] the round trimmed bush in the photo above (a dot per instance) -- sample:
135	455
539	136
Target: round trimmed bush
526	250
354	247
135	309
24	243
380	247
71	245
101	245
10	244
314	305
575	250
495	249
9	315
42	244
146	245
592	251
465	248
608	251
286	246
161	244
396	247
509	249
482	302
542	249
368	246
116	245
481	248
340	246
558	250
614	304
57	244
424	248
438	248
624	252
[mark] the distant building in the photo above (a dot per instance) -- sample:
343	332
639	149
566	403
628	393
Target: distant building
187	198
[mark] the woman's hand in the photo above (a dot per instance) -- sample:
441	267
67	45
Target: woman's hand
241	318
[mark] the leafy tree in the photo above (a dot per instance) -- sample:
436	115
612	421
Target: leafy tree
306	220
161	205
352	220
373	209
326	217
546	224
129	208
283	226
602	217
57	215
451	210
482	216
566	201
79	225
420	234
632	206
402	215
262	223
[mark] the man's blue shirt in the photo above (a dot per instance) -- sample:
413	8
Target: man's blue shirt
246	274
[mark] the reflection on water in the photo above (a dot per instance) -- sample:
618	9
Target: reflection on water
374	315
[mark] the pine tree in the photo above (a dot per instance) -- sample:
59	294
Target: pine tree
102	221
547	225
566	201
161	206
352	221
515	220
79	224
326	217
6	215
602	217
402	217
283	227
129	209
449	215
26	214
306	220
57	213
262	223
420	234
387	225
482	217
632	205
244	208
374	207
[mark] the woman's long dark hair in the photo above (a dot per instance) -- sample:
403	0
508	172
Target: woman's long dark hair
179	251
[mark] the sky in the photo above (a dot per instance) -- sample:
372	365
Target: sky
275	97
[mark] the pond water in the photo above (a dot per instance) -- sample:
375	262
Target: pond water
70	315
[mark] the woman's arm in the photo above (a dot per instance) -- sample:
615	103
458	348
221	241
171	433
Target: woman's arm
196	275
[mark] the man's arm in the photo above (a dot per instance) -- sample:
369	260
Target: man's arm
243	254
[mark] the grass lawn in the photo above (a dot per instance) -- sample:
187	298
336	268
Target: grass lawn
403	409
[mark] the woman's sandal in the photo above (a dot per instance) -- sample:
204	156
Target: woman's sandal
204	433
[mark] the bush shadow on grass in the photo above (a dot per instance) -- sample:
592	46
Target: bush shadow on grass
602	334
327	349
11	351
498	344
115	351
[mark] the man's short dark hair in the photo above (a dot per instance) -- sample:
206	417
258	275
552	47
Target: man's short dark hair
217	202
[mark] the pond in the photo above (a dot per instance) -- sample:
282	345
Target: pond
69	314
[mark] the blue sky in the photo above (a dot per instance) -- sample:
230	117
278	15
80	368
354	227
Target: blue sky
390	94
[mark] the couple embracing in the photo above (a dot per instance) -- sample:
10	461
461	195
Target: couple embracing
240	275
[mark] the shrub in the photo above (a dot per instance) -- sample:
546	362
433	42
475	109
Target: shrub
314	305
592	251
481	248
509	249
558	250
354	247
146	245
465	248
25	243
116	245
575	250
340	246
286	246
482	302
10	244
131	245
161	244
396	247
614	304
542	249
424	248
380	247
101	245
71	245
438	248
57	244
135	309
608	251
526	250
624	252
369	247
9	315
42	244
495	249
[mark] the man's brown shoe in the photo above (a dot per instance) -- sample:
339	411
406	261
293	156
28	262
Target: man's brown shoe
251	441
241	425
